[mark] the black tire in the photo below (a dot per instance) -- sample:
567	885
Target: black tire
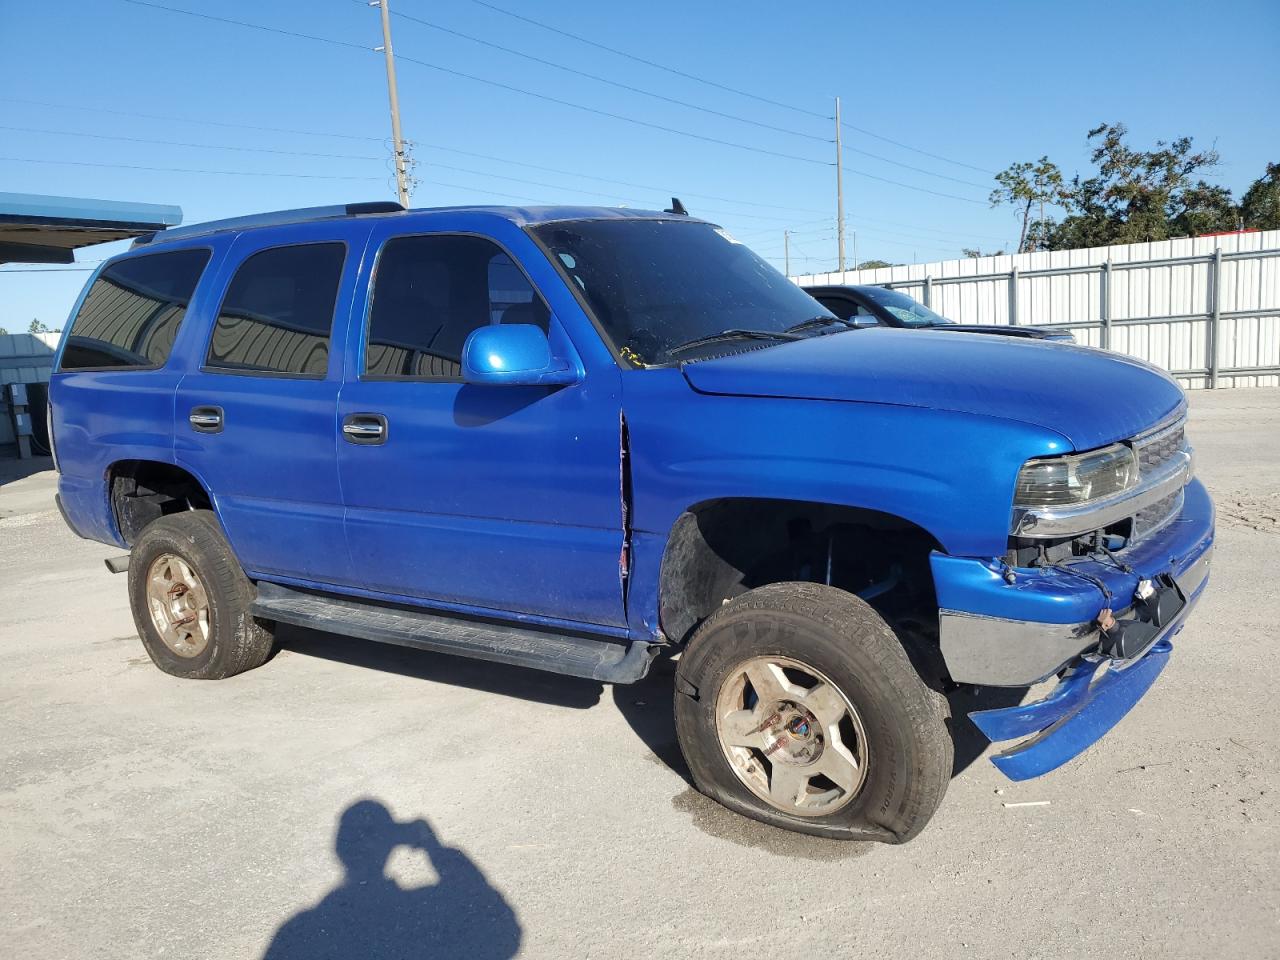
236	640
908	750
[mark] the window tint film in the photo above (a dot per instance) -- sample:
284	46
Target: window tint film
429	293
655	284
277	314
133	310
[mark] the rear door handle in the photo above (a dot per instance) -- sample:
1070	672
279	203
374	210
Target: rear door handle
364	428
206	419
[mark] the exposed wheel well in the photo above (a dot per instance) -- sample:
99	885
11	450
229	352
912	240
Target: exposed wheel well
145	490
723	548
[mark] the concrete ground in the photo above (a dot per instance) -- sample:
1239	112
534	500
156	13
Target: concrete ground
146	816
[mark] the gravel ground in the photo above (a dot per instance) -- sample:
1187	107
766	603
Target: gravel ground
488	811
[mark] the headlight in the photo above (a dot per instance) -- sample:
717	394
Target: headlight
1079	478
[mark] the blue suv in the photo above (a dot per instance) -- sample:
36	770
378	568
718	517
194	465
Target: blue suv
576	439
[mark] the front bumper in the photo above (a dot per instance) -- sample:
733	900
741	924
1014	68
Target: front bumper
1003	627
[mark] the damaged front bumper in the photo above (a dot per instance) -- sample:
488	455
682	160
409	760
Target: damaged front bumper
1002	627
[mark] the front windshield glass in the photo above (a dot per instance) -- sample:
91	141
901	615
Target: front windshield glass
656	284
908	311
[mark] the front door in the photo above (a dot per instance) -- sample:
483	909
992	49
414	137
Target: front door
498	499
256	421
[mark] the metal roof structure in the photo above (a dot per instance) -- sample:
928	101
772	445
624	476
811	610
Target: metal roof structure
41	229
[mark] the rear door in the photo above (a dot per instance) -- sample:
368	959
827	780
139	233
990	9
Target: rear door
256	421
498	499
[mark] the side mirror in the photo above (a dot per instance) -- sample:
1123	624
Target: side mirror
517	354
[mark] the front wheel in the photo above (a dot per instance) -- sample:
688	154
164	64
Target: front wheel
797	706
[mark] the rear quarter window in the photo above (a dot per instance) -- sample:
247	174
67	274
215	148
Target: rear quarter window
131	315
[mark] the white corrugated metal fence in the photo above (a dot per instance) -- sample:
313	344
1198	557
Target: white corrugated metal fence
1207	309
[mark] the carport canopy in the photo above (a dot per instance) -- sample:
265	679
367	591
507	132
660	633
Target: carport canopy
39	229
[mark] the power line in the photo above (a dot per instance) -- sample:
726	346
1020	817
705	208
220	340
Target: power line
622	183
907	166
229	173
613	83
173	119
693	106
899	183
607	113
926	153
493	83
649	63
317	133
200	146
719	86
550	99
611	196
252	26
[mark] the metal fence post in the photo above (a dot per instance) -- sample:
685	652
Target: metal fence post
928	290
1104	305
1013	297
1215	314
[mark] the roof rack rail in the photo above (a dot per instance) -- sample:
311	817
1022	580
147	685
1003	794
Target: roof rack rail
273	219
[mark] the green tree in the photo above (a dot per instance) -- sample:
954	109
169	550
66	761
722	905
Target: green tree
974	253
1204	208
1139	195
1260	206
38	327
873	264
1025	185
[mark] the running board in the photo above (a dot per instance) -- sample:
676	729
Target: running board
609	660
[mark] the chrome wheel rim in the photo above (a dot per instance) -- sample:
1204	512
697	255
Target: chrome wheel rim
791	736
179	605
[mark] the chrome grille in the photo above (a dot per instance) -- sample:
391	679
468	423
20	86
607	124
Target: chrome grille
1157	450
1154	517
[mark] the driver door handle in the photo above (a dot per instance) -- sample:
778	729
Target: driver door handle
364	428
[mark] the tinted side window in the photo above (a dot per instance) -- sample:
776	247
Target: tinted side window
133	310
429	293
277	314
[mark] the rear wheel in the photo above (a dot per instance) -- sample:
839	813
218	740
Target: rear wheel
796	705
191	600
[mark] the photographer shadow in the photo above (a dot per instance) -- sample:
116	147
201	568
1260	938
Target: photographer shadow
372	917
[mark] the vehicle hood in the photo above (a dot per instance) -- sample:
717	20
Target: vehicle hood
1091	397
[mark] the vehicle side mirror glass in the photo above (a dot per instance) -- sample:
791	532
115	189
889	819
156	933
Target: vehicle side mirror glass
516	354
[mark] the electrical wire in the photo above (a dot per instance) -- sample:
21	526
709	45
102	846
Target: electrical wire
899	183
607	113
254	26
229	173
682	103
202	122
199	146
720	86
550	99
669	189
613	83
650	63
905	146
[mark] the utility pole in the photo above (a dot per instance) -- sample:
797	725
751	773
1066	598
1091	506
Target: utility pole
402	165
786	251
839	193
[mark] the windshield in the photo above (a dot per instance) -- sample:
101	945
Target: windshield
656	284
907	311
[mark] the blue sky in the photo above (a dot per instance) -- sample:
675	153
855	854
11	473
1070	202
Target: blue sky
980	84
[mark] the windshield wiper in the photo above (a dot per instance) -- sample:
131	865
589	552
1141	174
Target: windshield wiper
726	335
813	322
